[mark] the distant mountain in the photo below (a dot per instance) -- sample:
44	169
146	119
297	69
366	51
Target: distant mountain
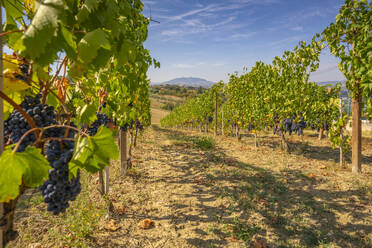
344	91
187	81
332	82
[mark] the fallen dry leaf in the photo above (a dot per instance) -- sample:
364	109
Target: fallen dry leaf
312	175
325	174
111	226
146	224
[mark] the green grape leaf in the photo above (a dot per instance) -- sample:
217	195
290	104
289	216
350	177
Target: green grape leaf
94	153
125	48
91	4
29	166
90	43
12	9
70	46
102	58
43	28
82	15
86	114
52	100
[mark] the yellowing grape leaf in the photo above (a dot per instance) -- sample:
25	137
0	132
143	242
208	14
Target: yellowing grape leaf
16	97
10	71
13	84
29	5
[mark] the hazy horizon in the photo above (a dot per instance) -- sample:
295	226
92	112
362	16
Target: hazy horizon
211	39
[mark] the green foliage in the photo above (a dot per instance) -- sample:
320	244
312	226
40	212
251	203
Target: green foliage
254	98
349	38
90	44
94	153
40	39
177	90
105	62
29	168
86	114
338	127
168	106
205	143
195	109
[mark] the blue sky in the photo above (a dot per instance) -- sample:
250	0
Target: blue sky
210	39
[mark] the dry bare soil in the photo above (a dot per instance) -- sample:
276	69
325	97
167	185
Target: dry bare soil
196	191
156	112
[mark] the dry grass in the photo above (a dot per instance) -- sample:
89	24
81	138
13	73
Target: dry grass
229	195
156	112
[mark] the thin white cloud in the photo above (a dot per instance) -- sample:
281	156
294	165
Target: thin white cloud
246	35
188	13
195	26
183	66
195	65
254	1
305	14
297	28
286	40
238	36
148	2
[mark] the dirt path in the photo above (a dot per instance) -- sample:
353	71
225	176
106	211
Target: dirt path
234	195
230	195
170	189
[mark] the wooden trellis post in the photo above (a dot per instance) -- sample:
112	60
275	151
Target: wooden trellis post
123	143
222	126
1	121
215	113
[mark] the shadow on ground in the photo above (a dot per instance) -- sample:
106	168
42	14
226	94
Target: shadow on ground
293	207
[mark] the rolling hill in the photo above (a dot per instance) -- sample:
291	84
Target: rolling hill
187	81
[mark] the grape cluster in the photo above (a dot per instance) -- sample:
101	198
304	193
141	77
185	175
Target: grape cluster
291	125
24	70
287	124
58	189
102	119
250	127
128	126
276	129
16	125
125	127
139	125
298	127
325	126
